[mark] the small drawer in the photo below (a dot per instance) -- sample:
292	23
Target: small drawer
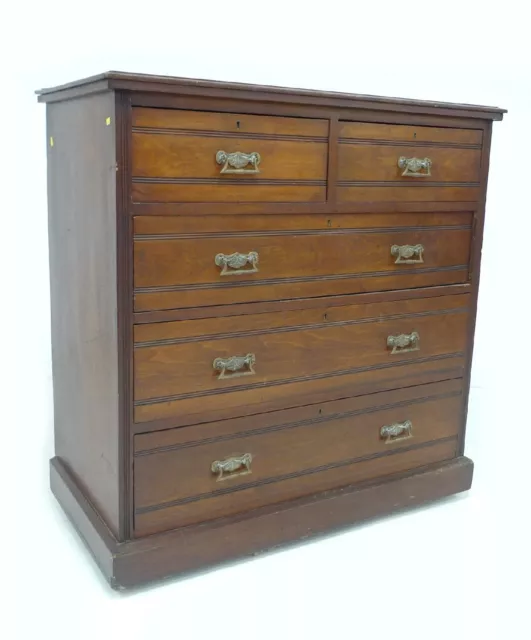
338	255
184	476
187	156
183	367
393	162
399	133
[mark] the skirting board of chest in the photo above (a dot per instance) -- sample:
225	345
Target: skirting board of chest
263	312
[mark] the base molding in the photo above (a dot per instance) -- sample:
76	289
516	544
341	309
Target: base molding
136	562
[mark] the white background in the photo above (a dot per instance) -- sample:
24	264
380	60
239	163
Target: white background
457	569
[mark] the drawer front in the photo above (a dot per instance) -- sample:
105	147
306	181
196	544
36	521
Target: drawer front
409	134
201	359
183	156
185	269
180	479
230	123
394	162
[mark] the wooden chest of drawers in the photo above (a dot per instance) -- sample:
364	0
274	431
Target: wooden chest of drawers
263	309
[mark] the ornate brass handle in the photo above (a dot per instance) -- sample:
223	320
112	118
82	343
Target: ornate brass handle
408	253
404	342
413	167
235	466
237	162
231	264
236	366
397	431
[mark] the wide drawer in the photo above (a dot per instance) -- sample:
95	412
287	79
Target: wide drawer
199	361
184	476
189	156
252	259
379	162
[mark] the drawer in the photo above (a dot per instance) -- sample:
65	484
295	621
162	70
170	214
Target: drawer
392	162
187	156
259	356
394	133
189	475
254	261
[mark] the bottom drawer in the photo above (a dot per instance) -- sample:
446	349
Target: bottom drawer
188	475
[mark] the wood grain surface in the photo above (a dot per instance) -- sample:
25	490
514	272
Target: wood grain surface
178	270
291	460
83	273
409	134
340	340
139	209
235	123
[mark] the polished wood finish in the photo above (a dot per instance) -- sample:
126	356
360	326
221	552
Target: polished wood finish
180	270
174	157
330	207
201	226
299	303
194	157
230	191
174	485
167	459
118	80
331	312
155	521
412	192
291	345
234	123
475	263
83	271
313	286
379	163
135	562
330	255
189	409
369	131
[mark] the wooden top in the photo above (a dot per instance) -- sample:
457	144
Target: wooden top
112	80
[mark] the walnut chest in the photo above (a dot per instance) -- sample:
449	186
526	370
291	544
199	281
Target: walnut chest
263	308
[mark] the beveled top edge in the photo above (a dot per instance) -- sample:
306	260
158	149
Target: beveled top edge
148	82
77	83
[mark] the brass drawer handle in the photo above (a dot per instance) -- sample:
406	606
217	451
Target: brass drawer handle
397	431
404	342
233	467
413	167
237	162
236	366
232	264
408	253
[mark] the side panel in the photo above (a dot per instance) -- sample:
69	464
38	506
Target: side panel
474	273
83	271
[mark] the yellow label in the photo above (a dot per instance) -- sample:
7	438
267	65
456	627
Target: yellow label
107	121
51	141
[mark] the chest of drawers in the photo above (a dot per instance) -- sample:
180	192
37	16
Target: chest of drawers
263	308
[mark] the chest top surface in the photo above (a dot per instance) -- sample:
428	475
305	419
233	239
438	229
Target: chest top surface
117	80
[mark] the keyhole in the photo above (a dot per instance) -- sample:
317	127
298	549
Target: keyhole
237	124
325	317
329	223
320	411
415	134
